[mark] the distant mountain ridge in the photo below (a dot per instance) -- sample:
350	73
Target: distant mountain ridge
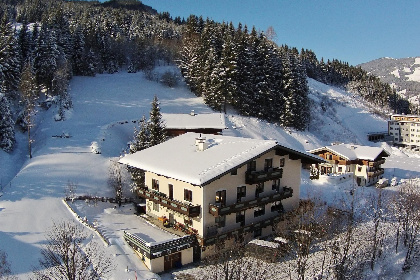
402	73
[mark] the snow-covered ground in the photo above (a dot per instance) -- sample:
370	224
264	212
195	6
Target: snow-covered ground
104	107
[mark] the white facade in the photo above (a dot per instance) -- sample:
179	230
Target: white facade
405	129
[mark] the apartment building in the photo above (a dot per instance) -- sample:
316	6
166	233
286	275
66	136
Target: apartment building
405	130
219	187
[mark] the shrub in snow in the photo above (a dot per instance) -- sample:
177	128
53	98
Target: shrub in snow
94	147
170	79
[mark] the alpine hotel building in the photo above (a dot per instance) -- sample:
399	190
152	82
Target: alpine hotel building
219	187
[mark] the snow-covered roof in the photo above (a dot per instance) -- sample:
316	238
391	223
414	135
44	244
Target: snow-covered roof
353	152
179	158
194	121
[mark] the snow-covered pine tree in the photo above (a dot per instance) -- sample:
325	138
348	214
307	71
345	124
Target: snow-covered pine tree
140	142
24	43
156	124
141	137
7	128
45	57
9	58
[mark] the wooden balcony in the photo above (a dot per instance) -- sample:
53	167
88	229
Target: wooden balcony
376	163
217	210
376	173
178	206
254	177
215	237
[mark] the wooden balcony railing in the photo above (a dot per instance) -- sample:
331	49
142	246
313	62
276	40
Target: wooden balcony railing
153	250
215	237
178	206
376	173
217	210
376	163
254	177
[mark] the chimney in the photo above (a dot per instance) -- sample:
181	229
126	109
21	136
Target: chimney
201	143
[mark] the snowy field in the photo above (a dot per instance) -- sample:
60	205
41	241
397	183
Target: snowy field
104	107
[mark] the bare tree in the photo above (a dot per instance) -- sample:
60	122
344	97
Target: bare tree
68	254
29	89
115	180
70	190
5	271
303	227
271	34
230	262
407	212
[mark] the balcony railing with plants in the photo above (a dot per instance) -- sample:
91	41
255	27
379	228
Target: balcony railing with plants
217	210
178	206
254	177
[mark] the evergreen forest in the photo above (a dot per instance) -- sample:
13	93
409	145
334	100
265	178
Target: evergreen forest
43	43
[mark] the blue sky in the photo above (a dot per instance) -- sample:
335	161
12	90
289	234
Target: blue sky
353	31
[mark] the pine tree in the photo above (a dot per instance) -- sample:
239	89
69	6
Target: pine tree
7	130
141	142
9	58
46	56
156	125
141	137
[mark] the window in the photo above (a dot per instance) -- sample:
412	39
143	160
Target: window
259	189
268	163
276	185
155	206
340	169
259	211
240	218
171	191
220	221
221	197
330	157
282	160
234	172
155	184
187	195
257	232
359	168
241	192
252	166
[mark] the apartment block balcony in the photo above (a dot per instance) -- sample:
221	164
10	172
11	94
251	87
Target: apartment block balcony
216	237
376	173
178	206
217	210
255	177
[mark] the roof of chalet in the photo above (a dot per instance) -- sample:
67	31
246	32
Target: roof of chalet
194	121
179	158
353	152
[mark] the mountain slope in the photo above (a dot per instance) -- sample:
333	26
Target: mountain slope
104	107
402	73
